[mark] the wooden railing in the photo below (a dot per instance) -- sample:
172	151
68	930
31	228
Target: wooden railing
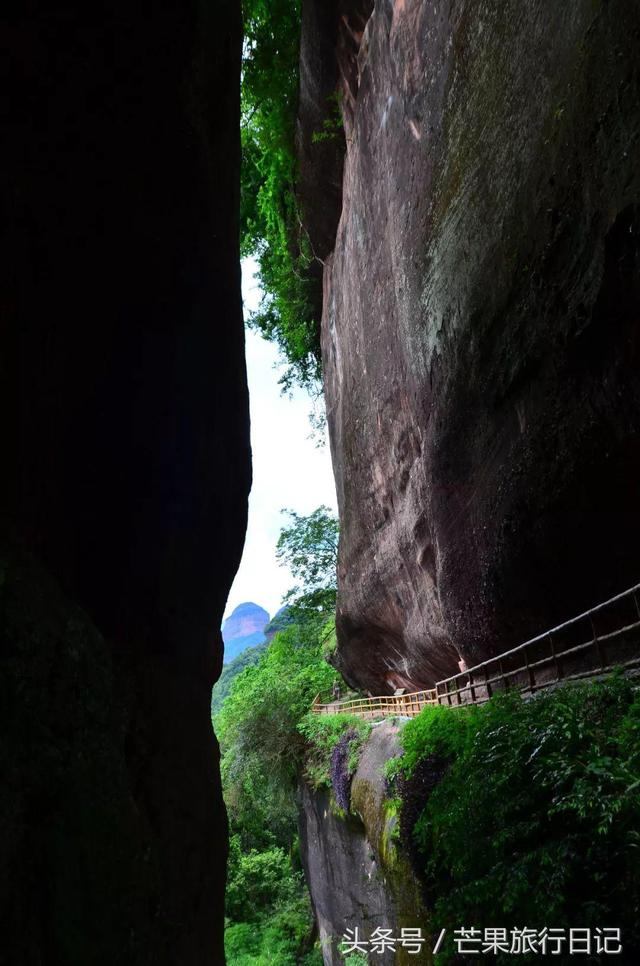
385	706
589	645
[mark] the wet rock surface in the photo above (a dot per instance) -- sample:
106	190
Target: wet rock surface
125	455
356	874
480	330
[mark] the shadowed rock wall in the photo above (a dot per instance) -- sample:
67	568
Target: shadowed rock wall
358	877
330	36
481	330
125	455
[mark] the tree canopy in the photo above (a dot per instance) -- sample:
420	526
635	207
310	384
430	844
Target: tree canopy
309	546
262	745
270	223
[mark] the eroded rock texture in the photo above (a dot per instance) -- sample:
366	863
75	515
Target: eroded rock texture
331	33
356	872
481	329
125	472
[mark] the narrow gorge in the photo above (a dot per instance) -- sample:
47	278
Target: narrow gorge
442	200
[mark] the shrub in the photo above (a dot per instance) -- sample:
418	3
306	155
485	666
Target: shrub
322	734
258	730
536	820
356	959
269	920
257	882
341	773
283	939
436	731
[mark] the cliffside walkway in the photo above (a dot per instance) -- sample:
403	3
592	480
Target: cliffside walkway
593	644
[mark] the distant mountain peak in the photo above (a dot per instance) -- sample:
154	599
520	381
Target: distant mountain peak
243	628
247	606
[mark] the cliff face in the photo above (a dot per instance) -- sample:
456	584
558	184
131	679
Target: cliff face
480	329
243	628
356	875
125	458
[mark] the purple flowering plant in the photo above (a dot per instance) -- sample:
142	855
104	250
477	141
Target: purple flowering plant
333	743
341	772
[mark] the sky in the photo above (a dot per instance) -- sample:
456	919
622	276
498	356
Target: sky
289	470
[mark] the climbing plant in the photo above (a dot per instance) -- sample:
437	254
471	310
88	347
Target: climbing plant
324	734
270	223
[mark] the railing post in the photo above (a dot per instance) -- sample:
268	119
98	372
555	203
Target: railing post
556	660
472	688
597	644
413	703
532	683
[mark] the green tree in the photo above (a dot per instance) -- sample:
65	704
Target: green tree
259	882
261	755
270	222
258	731
247	658
309	547
262	746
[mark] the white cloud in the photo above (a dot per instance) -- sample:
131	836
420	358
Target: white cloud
288	470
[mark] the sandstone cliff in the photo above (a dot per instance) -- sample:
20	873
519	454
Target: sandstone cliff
125	472
356	873
480	328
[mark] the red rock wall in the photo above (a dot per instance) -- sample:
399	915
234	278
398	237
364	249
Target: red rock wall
480	329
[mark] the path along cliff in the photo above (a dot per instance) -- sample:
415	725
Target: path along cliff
480	335
480	321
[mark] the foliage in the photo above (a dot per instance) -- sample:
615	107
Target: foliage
282	619
329	640
258	723
261	751
435	732
270	222
340	771
322	734
332	125
257	728
268	909
258	881
536	819
309	546
280	940
247	658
